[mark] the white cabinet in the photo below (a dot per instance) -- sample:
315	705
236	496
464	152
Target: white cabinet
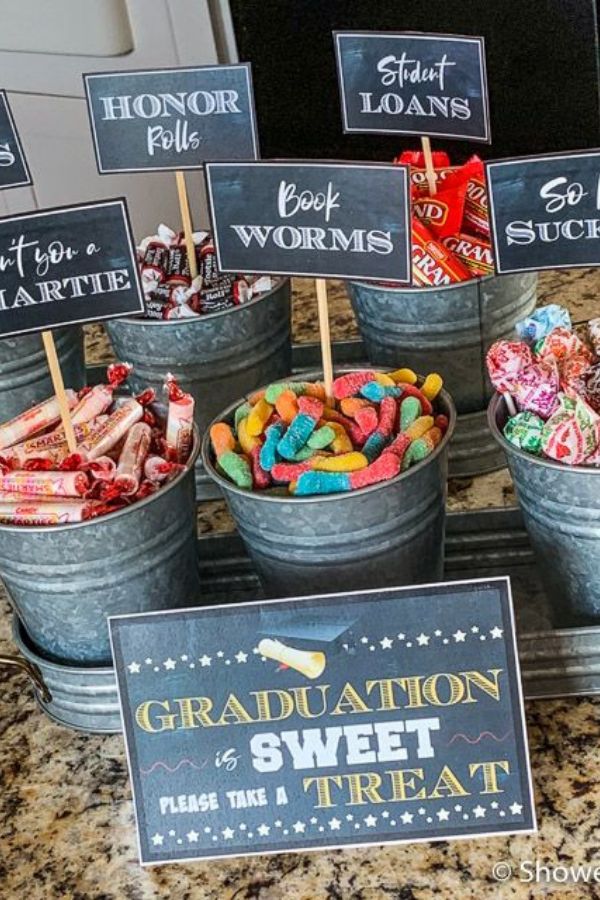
45	46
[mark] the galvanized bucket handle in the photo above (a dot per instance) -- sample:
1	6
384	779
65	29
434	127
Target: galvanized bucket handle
32	672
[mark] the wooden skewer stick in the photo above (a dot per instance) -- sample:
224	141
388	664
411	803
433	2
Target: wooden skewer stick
321	288
186	221
59	389
429	168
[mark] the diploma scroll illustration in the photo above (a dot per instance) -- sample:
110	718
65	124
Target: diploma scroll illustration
309	663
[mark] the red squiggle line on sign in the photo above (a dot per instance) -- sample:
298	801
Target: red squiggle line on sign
476	740
163	765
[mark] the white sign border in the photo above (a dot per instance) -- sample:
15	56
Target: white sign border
320	163
480	41
538	157
37	214
145	863
28	179
89	76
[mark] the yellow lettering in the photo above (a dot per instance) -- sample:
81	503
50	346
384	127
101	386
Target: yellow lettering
490	776
401	781
448	785
455	686
322	784
263	705
142	717
349	702
189	714
412	686
386	692
358	789
234	713
303	704
489	686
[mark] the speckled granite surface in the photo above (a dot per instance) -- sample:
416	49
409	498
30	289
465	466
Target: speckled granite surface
66	819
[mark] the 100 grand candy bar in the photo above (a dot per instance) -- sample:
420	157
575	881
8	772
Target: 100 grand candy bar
450	230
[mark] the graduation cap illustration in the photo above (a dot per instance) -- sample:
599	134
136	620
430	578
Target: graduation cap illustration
308	636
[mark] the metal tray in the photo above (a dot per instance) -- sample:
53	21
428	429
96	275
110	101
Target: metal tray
479	544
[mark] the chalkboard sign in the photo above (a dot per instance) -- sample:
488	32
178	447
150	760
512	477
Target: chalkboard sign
330	220
406	83
545	211
66	266
13	165
171	119
350	719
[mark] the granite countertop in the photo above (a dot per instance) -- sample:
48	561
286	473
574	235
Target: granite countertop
66	817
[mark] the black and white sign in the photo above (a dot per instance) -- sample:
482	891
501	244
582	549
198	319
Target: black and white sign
170	119
545	211
335	721
405	83
66	266
13	165
329	220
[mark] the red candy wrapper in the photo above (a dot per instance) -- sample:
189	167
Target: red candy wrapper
433	265
443	213
157	469
180	421
476	216
474	252
131	461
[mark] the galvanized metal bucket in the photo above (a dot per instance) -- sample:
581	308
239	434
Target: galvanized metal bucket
215	357
24	375
81	697
64	580
388	534
561	511
448	330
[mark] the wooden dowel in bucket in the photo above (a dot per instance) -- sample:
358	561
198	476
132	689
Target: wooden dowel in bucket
186	221
59	389
429	168
321	288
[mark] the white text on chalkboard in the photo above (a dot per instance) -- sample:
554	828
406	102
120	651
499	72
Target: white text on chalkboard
559	194
402	72
292	201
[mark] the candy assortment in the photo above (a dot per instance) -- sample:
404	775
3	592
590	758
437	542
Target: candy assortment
169	290
551	382
450	230
291	439
123	453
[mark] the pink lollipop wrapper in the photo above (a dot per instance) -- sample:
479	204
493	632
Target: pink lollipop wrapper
591	386
537	389
572	434
571	370
594	335
563	344
505	361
